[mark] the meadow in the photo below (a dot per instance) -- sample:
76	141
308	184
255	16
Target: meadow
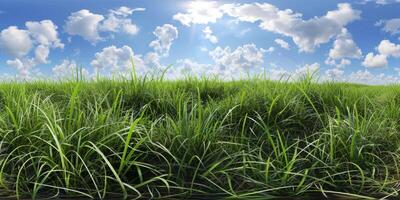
198	138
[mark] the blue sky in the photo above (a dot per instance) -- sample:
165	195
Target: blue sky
355	41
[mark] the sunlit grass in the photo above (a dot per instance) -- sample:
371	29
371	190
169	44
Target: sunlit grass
146	138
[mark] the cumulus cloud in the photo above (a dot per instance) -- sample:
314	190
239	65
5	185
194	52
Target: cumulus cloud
45	33
199	12
282	43
152	60
89	25
335	73
307	69
18	43
391	26
118	21
366	77
360	76
386	49
113	58
278	74
15	42
208	34
118	60
242	58
227	63
341	64
85	24
188	67
41	54
68	69
23	66
375	61
306	34
344	47
165	34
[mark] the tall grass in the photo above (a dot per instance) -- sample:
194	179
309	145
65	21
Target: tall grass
151	138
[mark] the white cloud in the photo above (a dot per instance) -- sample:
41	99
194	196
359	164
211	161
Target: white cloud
380	2
306	34
344	47
18	43
343	62
335	73
390	26
114	60
208	34
307	69
361	76
165	34
152	60
118	21
23	66
244	31
41	54
282	43
279	74
366	77
125	11
270	50
188	67
89	25
15	42
85	24
45	33
242	58
199	12
375	61
388	48
68	69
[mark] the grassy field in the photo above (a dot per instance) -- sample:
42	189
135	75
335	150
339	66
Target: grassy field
198	138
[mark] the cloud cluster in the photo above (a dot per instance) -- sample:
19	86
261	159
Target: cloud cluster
113	59
89	25
69	69
385	49
200	12
208	34
366	77
18	43
282	43
242	58
306	34
344	48
381	2
227	63
165	35
391	26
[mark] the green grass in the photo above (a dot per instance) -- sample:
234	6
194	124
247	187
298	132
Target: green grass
197	138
